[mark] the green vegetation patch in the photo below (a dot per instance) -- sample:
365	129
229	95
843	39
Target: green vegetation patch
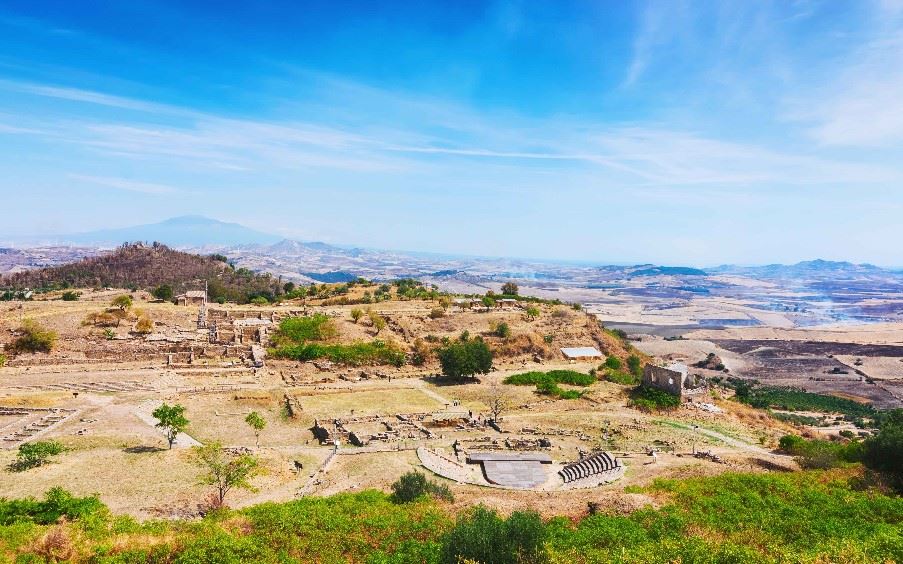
355	354
547	382
301	338
647	398
812	516
791	399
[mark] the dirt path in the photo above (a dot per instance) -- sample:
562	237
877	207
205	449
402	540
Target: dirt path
730	441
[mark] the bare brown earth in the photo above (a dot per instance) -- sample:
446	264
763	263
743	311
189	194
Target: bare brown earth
109	386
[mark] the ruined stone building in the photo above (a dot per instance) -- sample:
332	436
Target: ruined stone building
192	297
674	379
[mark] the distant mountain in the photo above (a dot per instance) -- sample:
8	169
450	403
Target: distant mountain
185	231
288	247
668	271
806	269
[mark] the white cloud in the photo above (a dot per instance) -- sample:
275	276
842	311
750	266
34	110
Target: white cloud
125	184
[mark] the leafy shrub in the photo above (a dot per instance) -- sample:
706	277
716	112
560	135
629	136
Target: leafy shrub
413	485
70	296
647	398
2	360
259	300
437	313
820	454
483	536
297	330
502	330
613	362
34	454
57	503
621	377
33	338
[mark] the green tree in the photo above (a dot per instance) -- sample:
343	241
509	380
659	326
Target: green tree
257	423
163	292
123	302
502	330
488	301
465	358
171	418
34	454
223	471
356	314
532	312
288	287
509	289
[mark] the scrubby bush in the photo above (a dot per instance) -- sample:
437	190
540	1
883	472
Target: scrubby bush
483	536
34	454
502	330
32	338
621	377
2	360
413	485
145	325
356	314
259	301
821	454
70	296
647	398
532	312
420	352
613	362
437	313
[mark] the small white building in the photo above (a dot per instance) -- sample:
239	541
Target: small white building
581	353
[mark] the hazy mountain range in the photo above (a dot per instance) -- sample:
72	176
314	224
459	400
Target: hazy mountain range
315	259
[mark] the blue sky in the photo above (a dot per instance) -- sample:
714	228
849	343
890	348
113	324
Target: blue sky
670	132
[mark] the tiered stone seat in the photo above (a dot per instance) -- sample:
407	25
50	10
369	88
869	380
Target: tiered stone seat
591	465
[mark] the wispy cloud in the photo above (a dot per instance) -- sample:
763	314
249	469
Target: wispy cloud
125	184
